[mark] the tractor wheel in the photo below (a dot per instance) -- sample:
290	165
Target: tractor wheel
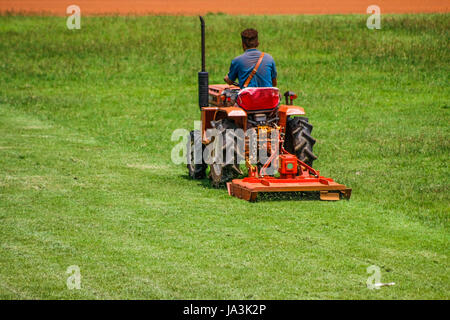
196	171
220	172
299	140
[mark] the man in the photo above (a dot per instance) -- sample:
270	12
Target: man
242	66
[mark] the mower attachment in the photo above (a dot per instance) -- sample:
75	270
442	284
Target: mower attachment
248	188
292	178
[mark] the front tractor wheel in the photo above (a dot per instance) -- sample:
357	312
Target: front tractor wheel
299	140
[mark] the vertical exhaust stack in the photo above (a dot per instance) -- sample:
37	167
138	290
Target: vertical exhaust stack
203	82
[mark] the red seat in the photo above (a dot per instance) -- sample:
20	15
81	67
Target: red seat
258	99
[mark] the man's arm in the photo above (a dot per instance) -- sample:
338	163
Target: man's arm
274	75
232	74
227	80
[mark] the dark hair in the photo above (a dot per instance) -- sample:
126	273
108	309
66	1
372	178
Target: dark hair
250	38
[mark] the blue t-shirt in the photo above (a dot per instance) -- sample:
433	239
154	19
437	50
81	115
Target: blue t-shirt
242	66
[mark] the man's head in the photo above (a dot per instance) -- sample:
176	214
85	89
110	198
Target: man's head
249	39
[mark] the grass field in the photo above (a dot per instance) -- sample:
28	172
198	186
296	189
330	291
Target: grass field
86	179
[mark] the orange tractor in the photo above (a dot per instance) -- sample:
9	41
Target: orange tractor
255	120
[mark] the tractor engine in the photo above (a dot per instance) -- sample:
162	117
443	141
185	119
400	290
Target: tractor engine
222	95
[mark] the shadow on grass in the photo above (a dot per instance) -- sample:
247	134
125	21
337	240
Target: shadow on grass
264	196
205	183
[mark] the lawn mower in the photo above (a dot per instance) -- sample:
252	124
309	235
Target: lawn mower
281	130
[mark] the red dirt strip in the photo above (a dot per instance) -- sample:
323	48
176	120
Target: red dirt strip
193	7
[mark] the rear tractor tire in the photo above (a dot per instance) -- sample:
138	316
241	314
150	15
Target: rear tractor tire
299	140
196	171
220	173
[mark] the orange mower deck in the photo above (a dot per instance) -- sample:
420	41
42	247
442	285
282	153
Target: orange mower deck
248	188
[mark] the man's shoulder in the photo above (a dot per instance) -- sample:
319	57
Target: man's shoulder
239	58
269	57
245	57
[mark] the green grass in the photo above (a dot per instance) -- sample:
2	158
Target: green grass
86	178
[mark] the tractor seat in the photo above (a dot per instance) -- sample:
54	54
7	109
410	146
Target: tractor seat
258	99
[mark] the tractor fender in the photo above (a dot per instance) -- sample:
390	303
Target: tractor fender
284	111
291	110
234	112
237	114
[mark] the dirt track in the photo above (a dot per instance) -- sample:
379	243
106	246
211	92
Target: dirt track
191	7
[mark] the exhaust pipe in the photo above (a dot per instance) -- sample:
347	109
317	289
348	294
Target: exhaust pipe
203	82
